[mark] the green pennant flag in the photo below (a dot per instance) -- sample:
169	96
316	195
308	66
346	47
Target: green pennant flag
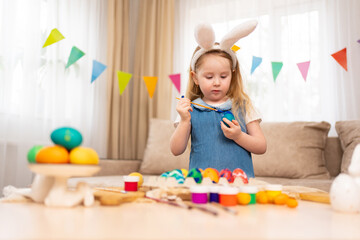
123	78
276	68
75	55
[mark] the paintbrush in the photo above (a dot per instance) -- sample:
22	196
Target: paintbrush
201	105
228	209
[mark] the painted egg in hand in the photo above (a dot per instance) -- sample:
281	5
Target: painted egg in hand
83	155
67	137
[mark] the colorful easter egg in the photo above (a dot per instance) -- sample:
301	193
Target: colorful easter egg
196	174
184	172
211	173
228	115
238	172
226	173
31	156
83	155
177	174
165	174
67	137
52	154
141	179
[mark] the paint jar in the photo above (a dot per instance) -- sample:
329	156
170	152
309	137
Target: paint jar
214	194
272	190
227	196
199	194
131	183
251	190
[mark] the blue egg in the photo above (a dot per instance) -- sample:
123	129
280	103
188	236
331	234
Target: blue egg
228	115
67	137
177	174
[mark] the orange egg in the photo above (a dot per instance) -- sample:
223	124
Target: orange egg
261	197
52	154
83	155
281	199
291	202
243	198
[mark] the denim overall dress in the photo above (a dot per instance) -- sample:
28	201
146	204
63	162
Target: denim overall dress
210	147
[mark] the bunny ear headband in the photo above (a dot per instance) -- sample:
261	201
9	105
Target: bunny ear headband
205	37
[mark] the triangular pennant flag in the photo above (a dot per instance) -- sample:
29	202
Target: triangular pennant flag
53	37
150	84
276	68
235	48
123	78
75	55
175	78
340	57
304	68
98	68
255	63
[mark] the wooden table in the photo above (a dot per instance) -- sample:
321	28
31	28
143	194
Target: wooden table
158	221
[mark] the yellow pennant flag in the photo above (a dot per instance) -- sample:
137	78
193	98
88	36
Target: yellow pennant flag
150	84
235	48
53	37
124	79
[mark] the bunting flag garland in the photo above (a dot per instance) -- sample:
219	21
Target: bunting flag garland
75	55
304	68
340	57
150	83
255	63
54	36
176	79
123	78
98	69
276	68
235	48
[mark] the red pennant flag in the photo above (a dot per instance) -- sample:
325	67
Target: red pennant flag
340	57
175	78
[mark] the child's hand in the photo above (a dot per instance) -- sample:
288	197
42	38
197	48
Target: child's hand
183	107
233	131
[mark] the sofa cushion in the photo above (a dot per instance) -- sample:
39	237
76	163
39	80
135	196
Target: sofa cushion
349	135
157	156
294	150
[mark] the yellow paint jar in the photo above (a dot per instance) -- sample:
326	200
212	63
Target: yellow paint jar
273	190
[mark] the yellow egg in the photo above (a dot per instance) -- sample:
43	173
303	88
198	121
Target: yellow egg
184	172
83	155
141	179
52	154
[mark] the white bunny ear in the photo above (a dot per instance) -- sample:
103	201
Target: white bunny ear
237	33
205	36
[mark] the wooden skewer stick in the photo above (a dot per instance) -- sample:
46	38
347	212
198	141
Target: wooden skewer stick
201	105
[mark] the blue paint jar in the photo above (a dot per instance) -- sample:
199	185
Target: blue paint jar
214	194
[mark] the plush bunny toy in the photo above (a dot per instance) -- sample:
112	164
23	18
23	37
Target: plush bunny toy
205	37
345	190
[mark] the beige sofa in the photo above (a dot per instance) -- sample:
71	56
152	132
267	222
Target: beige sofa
298	153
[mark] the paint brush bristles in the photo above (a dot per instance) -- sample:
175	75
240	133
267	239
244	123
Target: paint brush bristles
201	105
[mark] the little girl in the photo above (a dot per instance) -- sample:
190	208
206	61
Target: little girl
215	81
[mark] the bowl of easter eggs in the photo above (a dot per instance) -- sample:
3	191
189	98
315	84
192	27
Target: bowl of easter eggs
66	152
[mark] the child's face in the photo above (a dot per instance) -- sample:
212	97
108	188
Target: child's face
213	77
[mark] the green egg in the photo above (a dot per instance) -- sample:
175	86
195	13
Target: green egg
67	137
32	153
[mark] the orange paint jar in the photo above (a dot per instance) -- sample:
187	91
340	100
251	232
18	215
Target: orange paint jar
227	196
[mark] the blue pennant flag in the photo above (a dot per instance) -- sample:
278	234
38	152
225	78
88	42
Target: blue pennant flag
255	63
98	69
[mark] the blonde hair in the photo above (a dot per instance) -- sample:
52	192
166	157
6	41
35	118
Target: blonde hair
240	100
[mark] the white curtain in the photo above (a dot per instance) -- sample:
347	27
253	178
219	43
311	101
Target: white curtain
289	31
37	94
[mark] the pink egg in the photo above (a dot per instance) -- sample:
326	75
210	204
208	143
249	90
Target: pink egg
238	172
